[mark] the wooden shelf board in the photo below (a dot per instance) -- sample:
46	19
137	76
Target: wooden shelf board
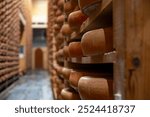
106	58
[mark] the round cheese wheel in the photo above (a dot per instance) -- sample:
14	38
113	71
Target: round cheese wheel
58	13
69	6
75	49
74	78
60	3
91	88
55	7
66	73
60	19
76	19
66	30
54	2
69	94
66	51
56	27
97	42
60	37
93	42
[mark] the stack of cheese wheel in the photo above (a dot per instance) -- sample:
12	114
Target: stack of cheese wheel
58	63
67	92
72	79
55	39
9	41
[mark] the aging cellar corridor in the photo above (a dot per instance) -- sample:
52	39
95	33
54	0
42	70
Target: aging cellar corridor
74	49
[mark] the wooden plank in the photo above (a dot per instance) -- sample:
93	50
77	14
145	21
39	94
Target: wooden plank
119	45
137	47
132	44
106	58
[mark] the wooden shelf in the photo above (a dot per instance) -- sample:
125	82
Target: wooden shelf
106	58
101	19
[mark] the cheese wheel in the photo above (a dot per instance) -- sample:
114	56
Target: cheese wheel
54	2
58	13
66	51
66	30
60	19
74	78
76	19
76	75
53	72
75	49
91	88
60	37
69	94
93	42
54	49
55	7
97	42
60	3
56	27
66	73
69	6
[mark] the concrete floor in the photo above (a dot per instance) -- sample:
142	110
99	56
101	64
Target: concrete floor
33	86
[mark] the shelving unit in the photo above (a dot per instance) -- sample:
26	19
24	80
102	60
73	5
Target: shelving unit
9	41
125	64
109	57
99	65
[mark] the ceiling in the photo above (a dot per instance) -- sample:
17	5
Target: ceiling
39	13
